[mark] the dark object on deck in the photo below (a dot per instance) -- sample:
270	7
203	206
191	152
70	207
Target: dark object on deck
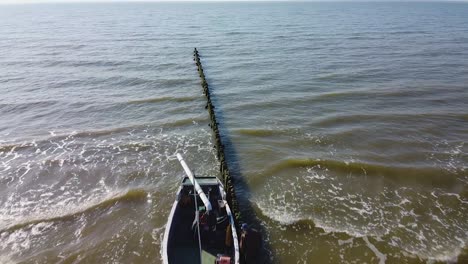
250	244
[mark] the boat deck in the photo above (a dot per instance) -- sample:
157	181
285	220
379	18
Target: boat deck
190	255
183	241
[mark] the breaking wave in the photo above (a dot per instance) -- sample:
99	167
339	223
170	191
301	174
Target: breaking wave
406	174
135	195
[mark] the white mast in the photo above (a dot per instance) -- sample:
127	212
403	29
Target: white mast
195	183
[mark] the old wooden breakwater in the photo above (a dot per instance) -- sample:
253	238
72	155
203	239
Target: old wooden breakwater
223	166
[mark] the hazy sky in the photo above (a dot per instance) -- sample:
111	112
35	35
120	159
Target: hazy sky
76	1
79	1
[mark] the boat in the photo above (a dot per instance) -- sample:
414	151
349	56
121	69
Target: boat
200	228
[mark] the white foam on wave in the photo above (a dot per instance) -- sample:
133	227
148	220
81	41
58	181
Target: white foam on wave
57	208
158	235
448	256
392	216
22	239
288	218
452	160
382	257
278	214
6	259
285	217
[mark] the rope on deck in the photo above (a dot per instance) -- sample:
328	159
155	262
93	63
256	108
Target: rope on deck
223	168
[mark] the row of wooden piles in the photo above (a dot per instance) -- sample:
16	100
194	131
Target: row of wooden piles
224	169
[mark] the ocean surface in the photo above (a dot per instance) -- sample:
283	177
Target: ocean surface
346	125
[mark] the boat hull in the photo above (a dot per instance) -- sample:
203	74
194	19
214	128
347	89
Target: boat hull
182	237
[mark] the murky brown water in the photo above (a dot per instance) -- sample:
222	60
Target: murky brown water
346	122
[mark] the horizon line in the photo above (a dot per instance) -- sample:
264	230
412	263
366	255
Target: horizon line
22	2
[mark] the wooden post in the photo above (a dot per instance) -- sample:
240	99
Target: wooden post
226	177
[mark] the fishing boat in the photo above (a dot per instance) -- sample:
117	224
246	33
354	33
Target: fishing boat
200	228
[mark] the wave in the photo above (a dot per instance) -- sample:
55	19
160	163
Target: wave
84	63
15	147
407	32
271	103
163	99
128	81
102	132
421	94
184	122
135	195
175	81
301	222
74	134
259	132
397	117
418	92
363	37
12	79
269	132
53	137
6	260
66	46
308	222
350	76
21	107
236	33
422	175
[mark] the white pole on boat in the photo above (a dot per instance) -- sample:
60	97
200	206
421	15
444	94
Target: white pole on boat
195	183
197	217
202	195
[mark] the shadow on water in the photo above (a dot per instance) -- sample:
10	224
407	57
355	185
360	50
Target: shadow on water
242	190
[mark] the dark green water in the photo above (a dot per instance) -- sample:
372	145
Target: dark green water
347	122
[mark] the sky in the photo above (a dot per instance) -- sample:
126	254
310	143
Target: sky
78	1
90	1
